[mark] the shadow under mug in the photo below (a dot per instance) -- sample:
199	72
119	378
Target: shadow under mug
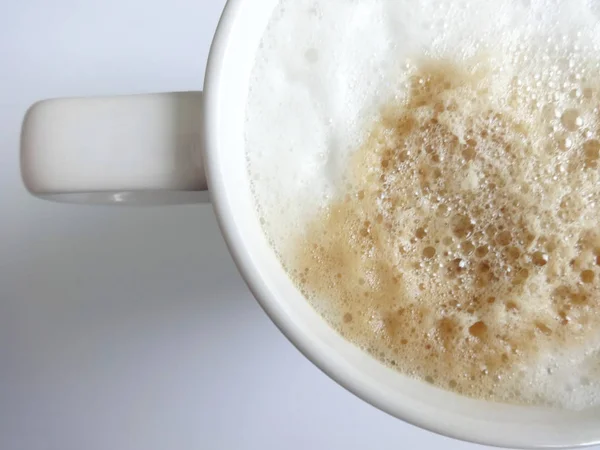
175	148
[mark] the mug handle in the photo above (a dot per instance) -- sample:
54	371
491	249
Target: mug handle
135	149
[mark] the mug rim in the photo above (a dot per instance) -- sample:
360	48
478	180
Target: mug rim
252	277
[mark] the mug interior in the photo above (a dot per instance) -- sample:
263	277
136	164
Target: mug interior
226	88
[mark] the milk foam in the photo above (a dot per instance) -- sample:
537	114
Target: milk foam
323	73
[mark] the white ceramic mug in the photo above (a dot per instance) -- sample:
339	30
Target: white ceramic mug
169	148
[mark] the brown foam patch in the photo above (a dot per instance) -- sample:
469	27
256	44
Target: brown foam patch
459	253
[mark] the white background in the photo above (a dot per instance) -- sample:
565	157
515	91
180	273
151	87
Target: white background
131	328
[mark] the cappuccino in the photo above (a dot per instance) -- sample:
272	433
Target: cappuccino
429	175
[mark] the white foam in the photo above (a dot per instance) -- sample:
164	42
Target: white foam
567	379
326	67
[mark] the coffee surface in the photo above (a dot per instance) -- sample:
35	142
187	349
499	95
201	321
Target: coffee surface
454	229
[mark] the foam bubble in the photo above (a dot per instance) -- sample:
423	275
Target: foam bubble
434	195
